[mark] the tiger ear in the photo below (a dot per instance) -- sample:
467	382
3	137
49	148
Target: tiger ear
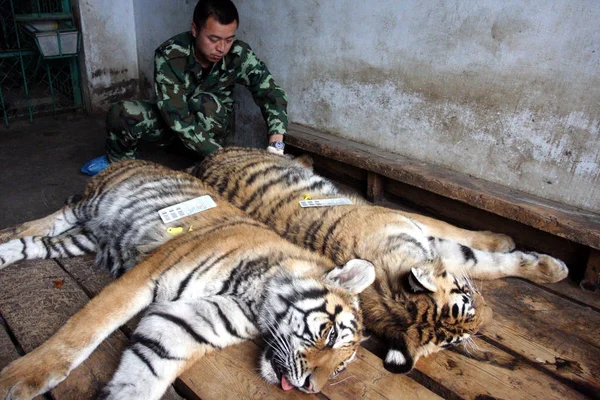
355	276
421	280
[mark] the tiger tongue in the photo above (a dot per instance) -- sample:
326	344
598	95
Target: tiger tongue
285	384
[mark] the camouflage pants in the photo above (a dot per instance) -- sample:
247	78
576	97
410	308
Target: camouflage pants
130	121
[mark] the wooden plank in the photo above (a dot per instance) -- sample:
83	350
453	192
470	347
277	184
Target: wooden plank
484	372
555	334
83	270
492	373
591	279
559	219
374	187
93	279
8	351
37	299
232	373
573	291
365	378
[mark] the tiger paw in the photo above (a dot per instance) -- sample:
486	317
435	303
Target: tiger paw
493	242
28	377
544	269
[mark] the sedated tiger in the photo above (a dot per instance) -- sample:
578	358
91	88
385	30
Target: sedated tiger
423	299
226	280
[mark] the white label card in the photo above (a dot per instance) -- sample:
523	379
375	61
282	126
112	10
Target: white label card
182	210
325	202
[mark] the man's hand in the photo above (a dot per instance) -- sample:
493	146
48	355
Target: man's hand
273	150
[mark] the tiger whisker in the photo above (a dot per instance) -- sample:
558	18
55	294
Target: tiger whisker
279	342
282	342
471	347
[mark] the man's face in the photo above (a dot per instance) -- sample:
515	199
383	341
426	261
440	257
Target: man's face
213	40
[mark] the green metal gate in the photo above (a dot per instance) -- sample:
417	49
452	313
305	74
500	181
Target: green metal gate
39	47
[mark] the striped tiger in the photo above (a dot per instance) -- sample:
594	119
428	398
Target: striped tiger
226	279
423	298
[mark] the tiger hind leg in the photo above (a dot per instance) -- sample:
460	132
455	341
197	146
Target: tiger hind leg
73	243
477	264
51	225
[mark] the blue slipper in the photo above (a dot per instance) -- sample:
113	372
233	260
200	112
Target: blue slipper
94	166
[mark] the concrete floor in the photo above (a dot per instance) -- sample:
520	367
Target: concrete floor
40	163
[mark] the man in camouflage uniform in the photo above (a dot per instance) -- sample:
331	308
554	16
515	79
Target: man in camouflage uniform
194	75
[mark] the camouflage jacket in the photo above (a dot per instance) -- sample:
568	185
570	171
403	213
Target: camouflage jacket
178	79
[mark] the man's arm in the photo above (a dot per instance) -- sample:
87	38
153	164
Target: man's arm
270	97
173	106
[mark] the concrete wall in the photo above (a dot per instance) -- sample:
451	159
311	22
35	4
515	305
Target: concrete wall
109	67
505	91
118	42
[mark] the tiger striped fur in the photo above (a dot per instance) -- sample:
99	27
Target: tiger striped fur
423	299
227	280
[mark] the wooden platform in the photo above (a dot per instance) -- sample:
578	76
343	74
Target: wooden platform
544	343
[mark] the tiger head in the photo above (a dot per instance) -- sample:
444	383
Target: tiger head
429	310
312	328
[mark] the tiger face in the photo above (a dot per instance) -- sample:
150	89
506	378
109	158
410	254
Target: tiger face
312	332
462	309
432	311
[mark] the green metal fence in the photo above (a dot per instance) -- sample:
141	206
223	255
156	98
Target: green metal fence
39	49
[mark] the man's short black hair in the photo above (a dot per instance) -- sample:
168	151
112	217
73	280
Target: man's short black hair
223	11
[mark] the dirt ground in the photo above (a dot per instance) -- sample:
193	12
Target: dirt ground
40	163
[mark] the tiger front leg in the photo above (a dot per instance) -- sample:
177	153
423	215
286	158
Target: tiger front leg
49	364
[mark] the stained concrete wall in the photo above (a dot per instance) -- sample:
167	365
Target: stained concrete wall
118	42
109	67
155	22
505	91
